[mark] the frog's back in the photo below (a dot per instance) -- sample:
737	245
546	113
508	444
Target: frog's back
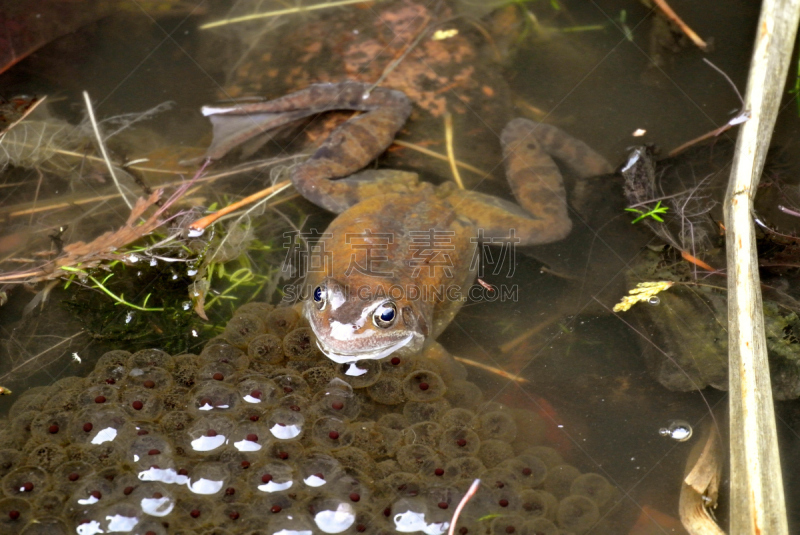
405	242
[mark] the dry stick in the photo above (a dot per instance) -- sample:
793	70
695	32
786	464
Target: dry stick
278	13
739	119
451	156
20	209
757	498
671	15
102	145
491	369
467	497
201	224
434	154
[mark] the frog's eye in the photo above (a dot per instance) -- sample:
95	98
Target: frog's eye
319	297
385	315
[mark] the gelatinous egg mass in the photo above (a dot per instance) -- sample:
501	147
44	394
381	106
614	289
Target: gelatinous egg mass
261	433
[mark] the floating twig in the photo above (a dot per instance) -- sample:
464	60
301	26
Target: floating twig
671	15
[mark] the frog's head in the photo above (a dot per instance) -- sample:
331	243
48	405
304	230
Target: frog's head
362	324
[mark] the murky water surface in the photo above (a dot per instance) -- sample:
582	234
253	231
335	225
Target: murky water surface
562	385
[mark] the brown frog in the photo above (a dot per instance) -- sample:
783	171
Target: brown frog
382	293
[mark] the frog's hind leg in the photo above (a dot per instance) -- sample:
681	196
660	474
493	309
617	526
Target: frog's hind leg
542	215
349	148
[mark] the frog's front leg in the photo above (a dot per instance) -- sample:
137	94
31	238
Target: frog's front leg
542	214
349	148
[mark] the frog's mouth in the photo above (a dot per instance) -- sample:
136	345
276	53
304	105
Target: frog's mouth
353	356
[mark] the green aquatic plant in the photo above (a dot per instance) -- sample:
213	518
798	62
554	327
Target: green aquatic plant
653	213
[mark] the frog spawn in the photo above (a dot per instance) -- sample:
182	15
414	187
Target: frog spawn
261	434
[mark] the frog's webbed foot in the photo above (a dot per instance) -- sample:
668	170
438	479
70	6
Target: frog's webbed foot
349	148
542	215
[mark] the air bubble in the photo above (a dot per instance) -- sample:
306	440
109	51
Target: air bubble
679	430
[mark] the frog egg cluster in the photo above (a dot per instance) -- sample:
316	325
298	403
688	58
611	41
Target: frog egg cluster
261	434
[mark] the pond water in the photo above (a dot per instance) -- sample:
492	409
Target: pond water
579	379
